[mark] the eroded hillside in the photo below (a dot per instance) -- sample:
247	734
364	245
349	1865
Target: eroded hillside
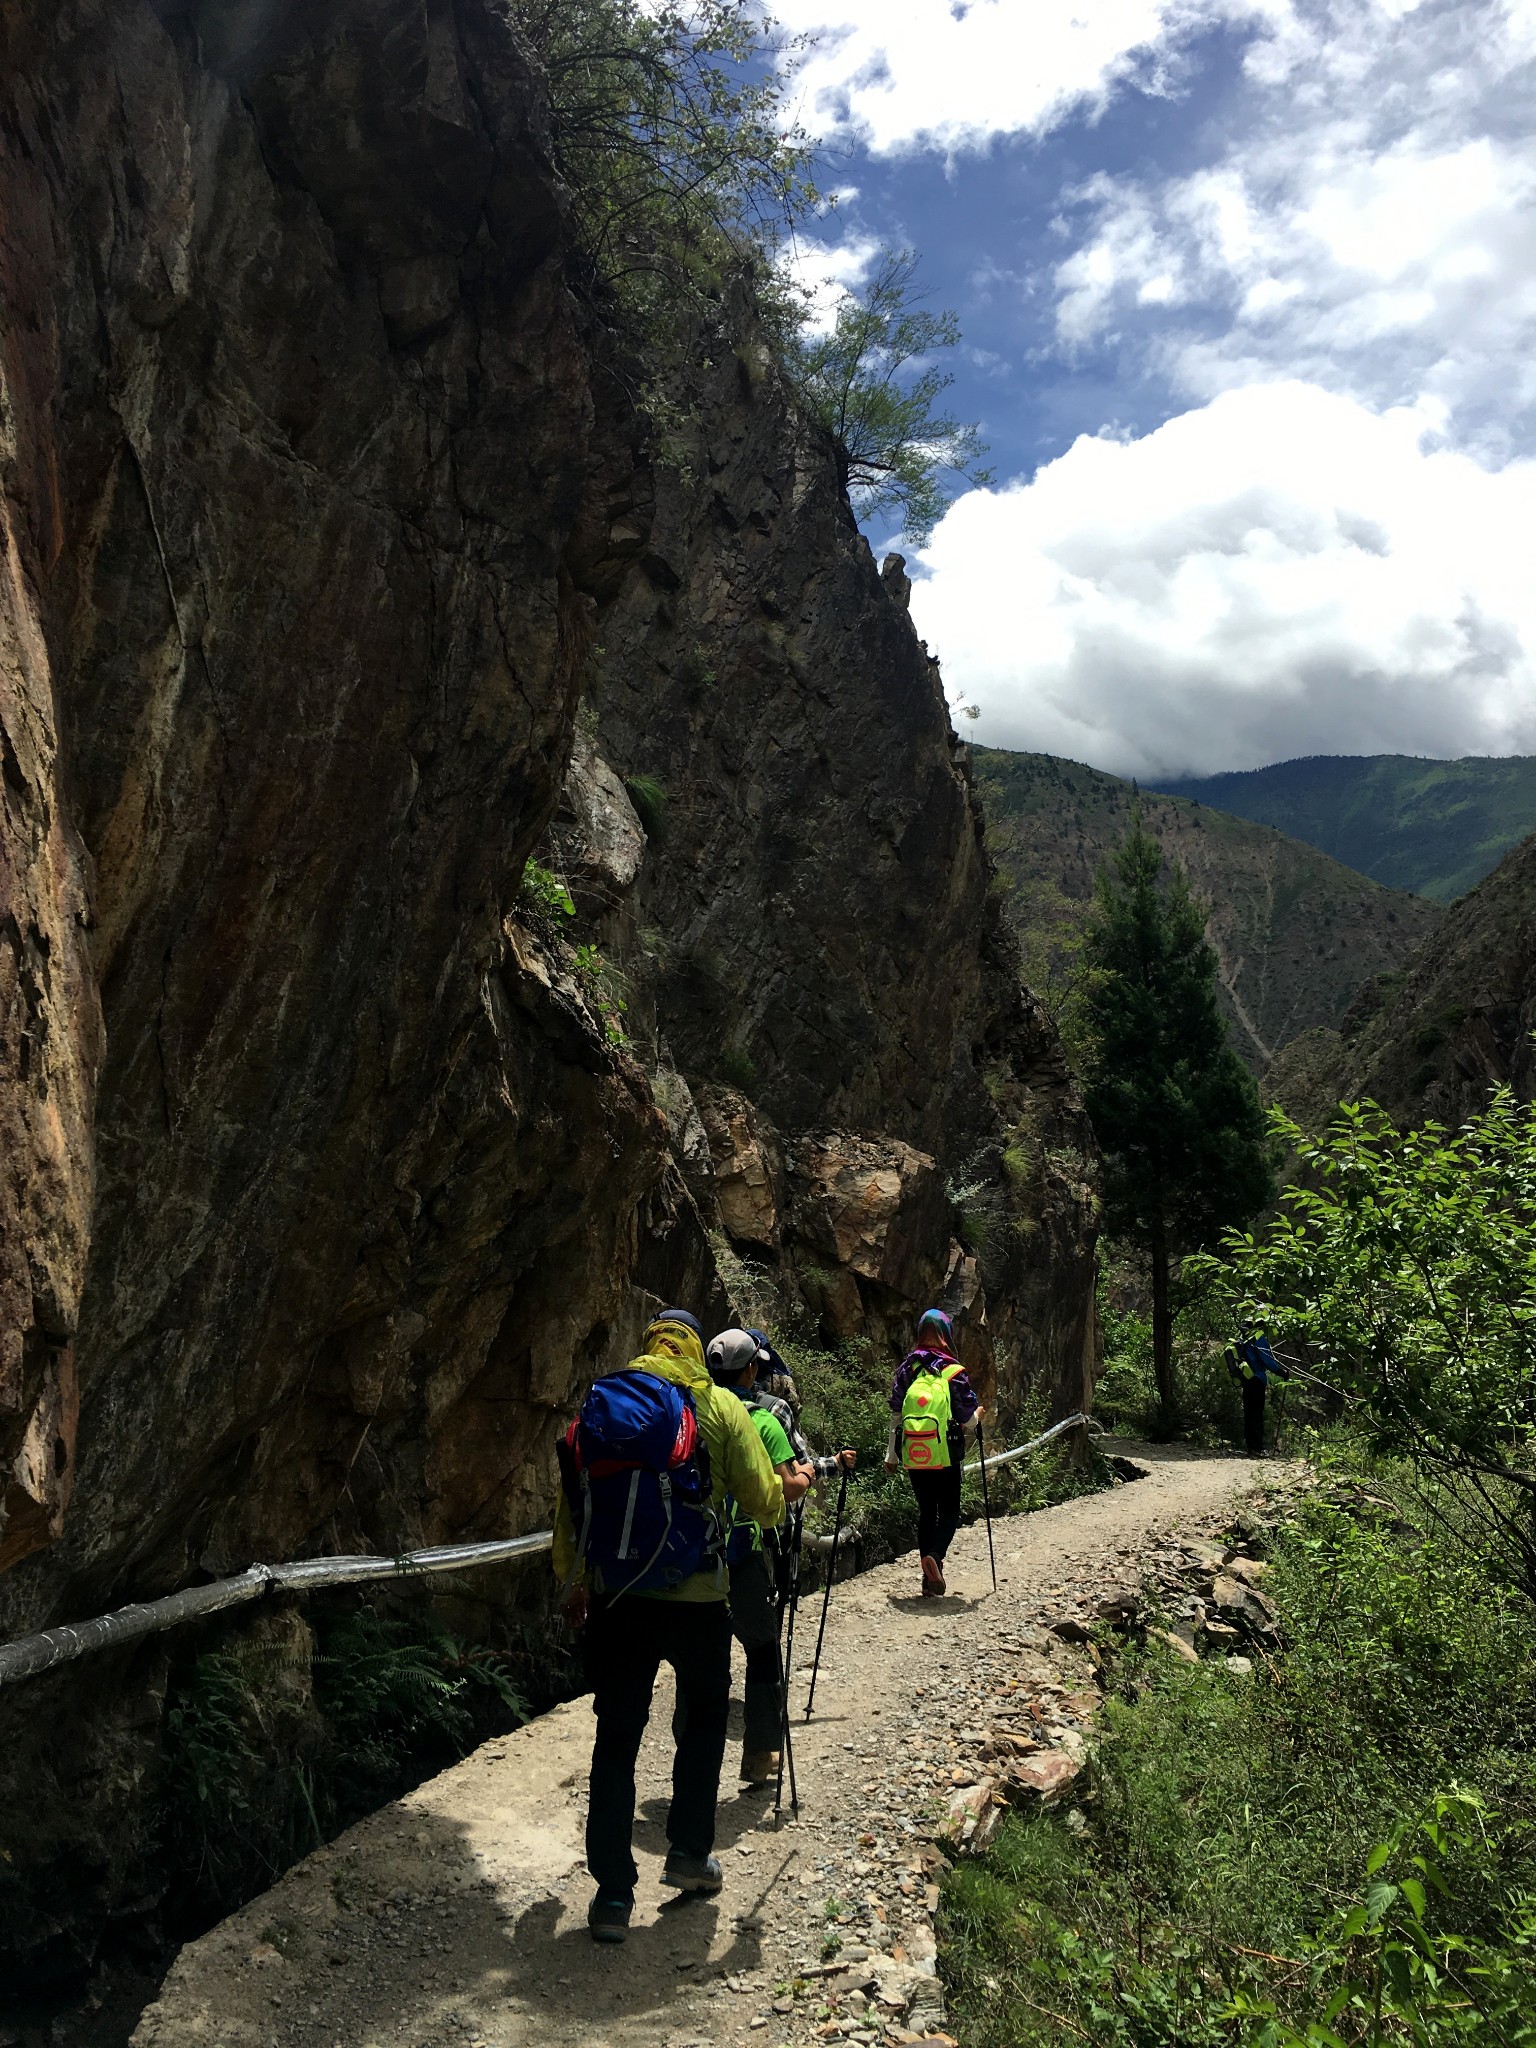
1457	1020
1294	932
333	1166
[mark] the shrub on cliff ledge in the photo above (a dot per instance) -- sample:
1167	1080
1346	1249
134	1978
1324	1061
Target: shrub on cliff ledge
872	382
668	131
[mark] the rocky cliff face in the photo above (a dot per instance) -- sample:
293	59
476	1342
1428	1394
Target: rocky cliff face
332	1166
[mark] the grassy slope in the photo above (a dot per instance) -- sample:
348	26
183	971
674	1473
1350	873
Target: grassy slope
1295	932
1436	827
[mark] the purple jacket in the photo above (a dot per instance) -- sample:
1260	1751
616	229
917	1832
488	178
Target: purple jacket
962	1395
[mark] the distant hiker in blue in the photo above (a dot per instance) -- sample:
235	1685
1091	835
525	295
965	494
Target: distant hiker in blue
933	1409
1252	1361
640	1537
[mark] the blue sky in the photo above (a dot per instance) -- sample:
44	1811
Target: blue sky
1248	290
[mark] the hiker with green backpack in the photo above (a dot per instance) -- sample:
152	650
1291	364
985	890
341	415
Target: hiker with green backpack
934	1409
735	1360
639	1545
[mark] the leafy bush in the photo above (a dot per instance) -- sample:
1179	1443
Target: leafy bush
649	798
543	891
1209	1896
1406	1264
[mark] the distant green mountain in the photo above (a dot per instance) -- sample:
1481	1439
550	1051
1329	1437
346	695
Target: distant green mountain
1295	933
1435	827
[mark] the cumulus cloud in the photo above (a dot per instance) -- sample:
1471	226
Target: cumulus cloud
1280	571
1371	227
952	74
1328	551
823	271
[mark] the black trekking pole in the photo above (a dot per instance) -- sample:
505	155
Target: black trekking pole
986	1505
837	1527
791	1602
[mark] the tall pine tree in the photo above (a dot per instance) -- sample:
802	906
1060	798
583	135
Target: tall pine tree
1176	1113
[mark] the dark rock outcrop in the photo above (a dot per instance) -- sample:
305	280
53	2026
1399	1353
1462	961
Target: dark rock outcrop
333	1162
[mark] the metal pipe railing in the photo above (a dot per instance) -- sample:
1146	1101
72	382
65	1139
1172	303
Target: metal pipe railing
29	1656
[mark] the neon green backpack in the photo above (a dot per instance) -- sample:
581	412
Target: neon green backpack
925	1418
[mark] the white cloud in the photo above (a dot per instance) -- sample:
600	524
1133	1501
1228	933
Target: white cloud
1281	571
951	74
823	271
1371	228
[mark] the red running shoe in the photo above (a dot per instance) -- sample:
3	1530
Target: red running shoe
933	1578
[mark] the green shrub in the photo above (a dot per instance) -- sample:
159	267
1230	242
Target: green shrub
1229	1818
543	891
276	1741
736	1068
1403	1264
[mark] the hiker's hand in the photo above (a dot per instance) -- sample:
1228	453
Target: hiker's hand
892	1464
848	1459
574	1607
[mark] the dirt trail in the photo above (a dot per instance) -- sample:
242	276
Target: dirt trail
456	1918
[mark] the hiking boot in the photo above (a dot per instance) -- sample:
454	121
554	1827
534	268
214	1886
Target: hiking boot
759	1766
933	1578
608	1917
687	1873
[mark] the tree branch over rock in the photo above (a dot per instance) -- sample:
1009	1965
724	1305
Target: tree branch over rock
871	382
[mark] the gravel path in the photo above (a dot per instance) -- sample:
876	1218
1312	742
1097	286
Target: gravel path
456	1918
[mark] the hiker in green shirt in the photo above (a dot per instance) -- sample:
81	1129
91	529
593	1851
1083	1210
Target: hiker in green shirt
732	1359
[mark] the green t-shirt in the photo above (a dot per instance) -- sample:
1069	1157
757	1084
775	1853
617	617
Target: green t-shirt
780	1452
775	1437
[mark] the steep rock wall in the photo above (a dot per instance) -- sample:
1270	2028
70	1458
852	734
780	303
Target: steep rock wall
331	1170
865	1099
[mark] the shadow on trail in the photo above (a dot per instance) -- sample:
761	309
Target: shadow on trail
940	1603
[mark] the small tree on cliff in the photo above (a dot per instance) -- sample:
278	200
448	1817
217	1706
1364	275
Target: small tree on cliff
669	129
871	380
1175	1111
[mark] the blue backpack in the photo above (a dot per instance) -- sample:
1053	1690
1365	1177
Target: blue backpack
636	1476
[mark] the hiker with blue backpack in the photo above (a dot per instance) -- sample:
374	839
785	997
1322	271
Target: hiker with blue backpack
735	1361
934	1409
640	1547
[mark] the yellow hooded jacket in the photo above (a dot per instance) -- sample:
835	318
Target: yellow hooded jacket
738	1463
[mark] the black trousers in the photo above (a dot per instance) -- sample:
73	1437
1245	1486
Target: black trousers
938	1509
624	1645
755	1625
1253	1417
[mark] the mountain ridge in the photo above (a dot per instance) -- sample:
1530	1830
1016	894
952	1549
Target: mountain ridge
1295	931
1432	827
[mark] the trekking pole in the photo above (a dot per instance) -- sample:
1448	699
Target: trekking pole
826	1597
791	1602
986	1505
